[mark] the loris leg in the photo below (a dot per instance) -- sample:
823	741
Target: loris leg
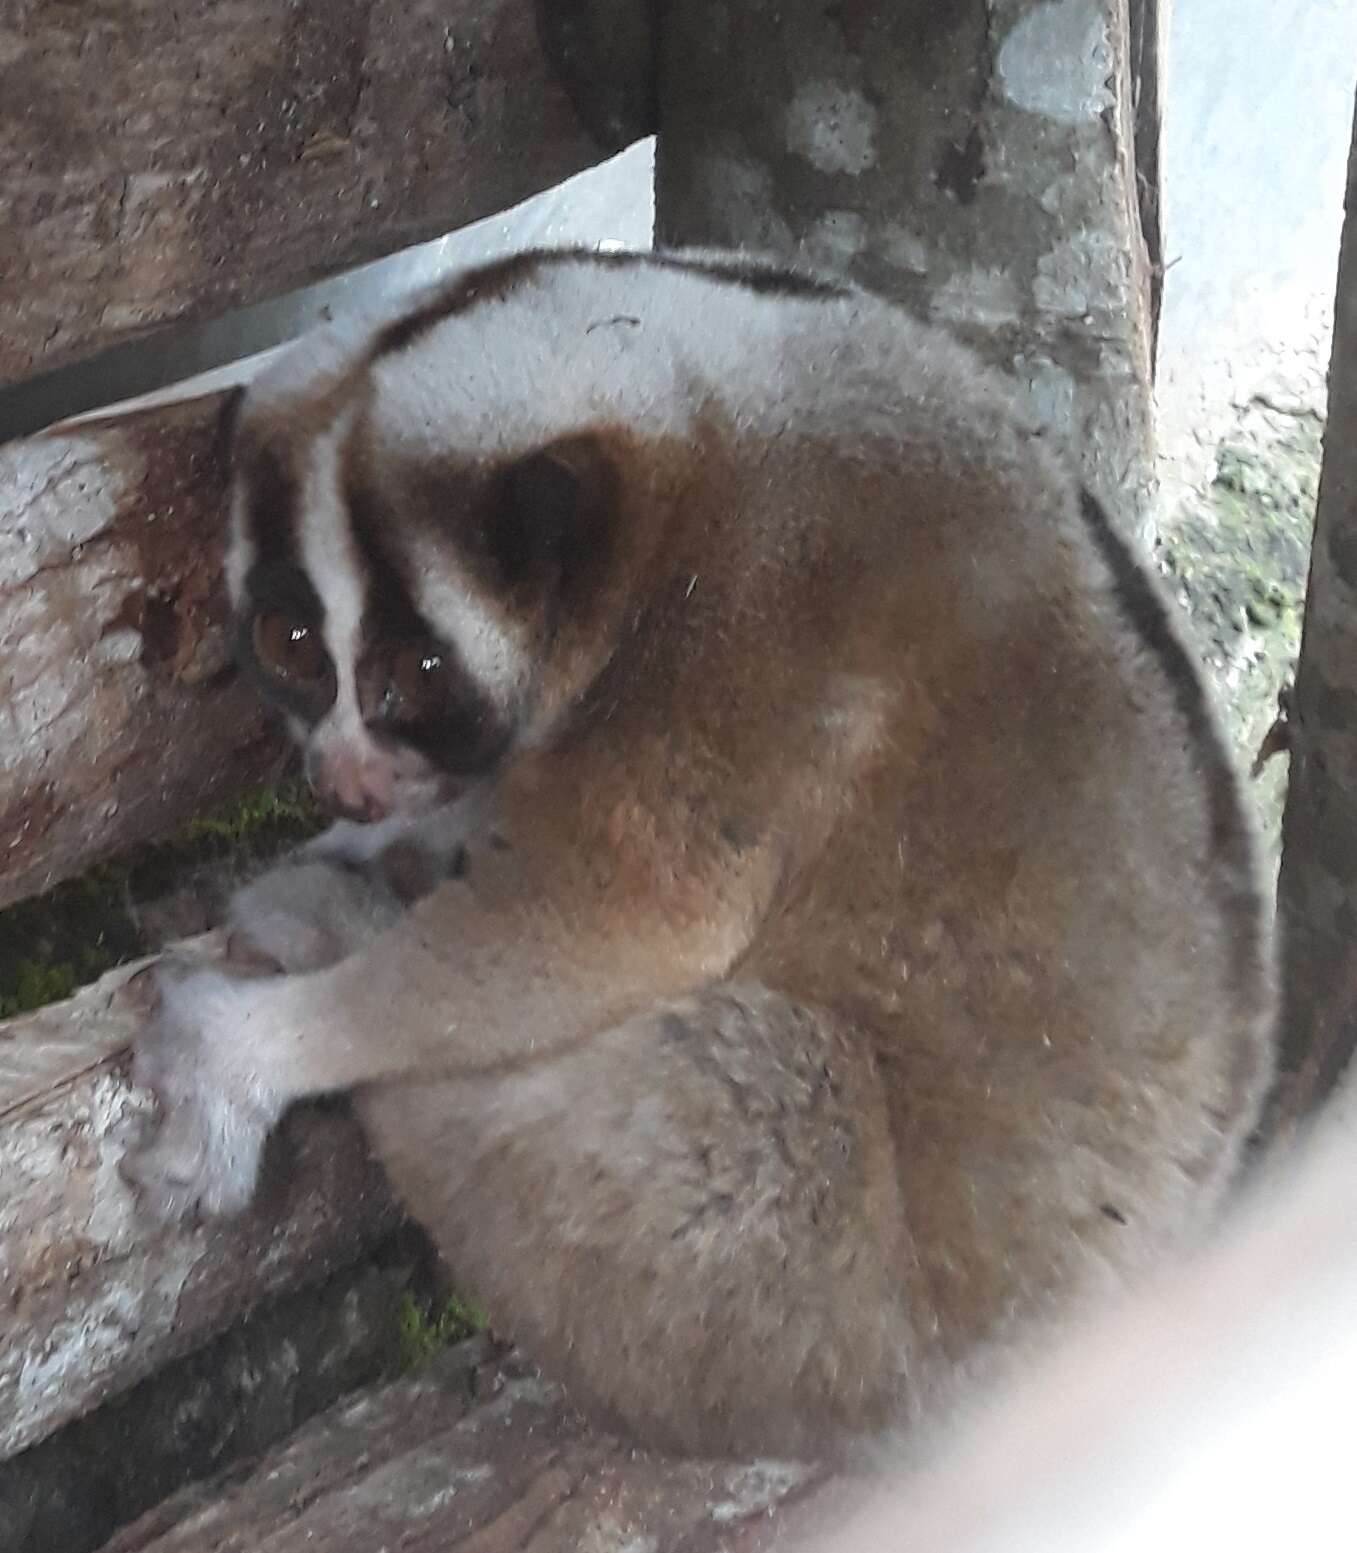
333	894
519	953
693	1219
306	914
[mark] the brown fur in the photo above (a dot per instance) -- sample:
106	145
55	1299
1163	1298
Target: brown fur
856	965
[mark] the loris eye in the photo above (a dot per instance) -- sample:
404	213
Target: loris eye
417	679
289	648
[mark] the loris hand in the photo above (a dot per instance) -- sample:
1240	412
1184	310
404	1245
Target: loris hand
215	1114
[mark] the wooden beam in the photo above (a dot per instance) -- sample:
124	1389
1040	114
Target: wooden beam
164	162
1317	888
480	1457
119	711
92	1297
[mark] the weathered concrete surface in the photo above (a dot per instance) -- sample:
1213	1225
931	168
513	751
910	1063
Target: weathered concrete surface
157	163
477	1457
973	161
119	712
92	1297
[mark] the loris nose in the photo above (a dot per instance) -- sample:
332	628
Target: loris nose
356	784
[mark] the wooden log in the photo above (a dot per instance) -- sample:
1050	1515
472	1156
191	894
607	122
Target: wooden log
159	163
92	1297
119	711
1317	888
477	1457
975	162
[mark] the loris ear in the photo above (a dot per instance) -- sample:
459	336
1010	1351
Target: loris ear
552	516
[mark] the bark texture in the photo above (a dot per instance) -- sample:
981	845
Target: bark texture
92	1297
976	161
1317	889
477	1457
160	162
119	712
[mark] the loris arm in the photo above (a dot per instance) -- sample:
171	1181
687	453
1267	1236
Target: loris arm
539	944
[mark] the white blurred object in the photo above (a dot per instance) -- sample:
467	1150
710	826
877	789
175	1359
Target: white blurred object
1213	1412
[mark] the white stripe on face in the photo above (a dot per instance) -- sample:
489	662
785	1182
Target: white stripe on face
485	646
239	549
330	559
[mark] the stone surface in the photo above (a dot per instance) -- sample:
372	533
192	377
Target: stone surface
1236	555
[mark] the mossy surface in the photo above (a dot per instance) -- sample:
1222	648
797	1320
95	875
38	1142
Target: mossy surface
425	1325
1237	556
73	934
57	942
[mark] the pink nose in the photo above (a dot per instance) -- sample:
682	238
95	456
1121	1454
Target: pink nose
358	784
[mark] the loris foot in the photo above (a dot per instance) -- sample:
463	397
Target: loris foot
204	1151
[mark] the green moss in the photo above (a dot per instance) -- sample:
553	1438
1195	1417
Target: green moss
423	1329
289	807
1237	557
57	942
71	935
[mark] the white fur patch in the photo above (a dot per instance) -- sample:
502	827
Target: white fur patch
488	650
330	559
239	552
576	345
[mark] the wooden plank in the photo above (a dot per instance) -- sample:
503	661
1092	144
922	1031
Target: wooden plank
119	712
93	1298
421	1465
158	163
1317	888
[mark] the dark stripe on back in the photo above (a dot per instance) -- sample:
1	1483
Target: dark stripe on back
494	282
1234	884
763	276
489	283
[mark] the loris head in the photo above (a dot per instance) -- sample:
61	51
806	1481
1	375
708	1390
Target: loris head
418	543
441	522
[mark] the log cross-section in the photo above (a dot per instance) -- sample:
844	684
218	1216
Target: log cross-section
119	711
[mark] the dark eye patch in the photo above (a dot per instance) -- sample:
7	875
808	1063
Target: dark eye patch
415	692
279	643
412	687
